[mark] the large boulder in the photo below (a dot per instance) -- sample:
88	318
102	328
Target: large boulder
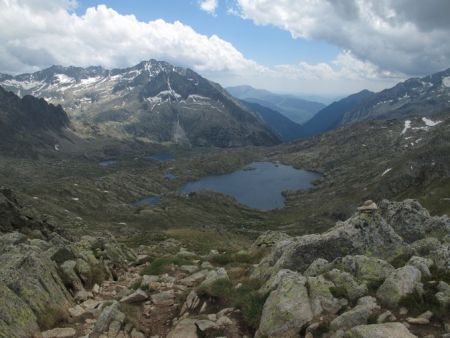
17	320
287	309
401	283
33	277
360	234
366	269
359	315
391	330
412	221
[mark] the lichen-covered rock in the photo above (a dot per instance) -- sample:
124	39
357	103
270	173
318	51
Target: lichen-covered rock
356	316
366	269
402	282
321	298
413	222
287	309
422	264
269	238
360	234
391	330
17	320
441	257
443	294
109	314
345	282
214	276
33	277
186	328
318	267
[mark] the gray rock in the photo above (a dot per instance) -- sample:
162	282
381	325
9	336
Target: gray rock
136	297
345	281
366	269
402	282
186	328
318	267
391	330
321	297
214	276
443	294
356	316
66	332
189	268
194	278
206	325
287	309
109	314
163	298
422	264
269	238
360	234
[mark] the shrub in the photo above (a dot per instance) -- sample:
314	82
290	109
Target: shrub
159	265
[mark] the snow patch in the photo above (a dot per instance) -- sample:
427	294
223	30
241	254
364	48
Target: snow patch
386	171
64	79
446	81
407	126
430	123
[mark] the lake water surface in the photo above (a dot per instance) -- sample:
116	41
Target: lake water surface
258	185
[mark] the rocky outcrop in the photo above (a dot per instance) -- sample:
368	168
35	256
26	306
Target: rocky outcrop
42	273
345	268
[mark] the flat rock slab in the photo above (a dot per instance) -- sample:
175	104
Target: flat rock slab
64	332
136	297
163	298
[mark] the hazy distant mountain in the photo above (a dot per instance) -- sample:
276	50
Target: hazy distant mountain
280	125
413	97
152	100
294	108
331	116
28	123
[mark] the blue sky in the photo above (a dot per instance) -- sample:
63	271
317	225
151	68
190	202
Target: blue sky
267	45
321	47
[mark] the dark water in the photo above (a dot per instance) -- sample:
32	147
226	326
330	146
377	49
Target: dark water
149	200
161	157
258	185
169	176
106	163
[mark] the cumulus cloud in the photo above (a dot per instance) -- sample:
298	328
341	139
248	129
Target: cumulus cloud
397	35
36	34
209	6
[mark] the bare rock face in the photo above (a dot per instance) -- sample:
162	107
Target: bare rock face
287	309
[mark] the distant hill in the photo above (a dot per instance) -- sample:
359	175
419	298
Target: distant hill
28	123
414	97
152	101
294	108
331	116
280	125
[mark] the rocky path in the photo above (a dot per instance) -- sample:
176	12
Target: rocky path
137	305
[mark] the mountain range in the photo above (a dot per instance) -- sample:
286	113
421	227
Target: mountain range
152	101
293	107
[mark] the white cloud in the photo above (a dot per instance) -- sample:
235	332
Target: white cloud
32	37
36	34
397	35
209	6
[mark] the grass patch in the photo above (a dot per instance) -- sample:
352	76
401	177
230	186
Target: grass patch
160	265
246	298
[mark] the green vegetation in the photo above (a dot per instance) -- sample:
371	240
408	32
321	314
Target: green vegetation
246	298
159	265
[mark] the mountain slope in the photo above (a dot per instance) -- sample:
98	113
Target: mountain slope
294	108
331	116
413	97
153	101
280	125
29	122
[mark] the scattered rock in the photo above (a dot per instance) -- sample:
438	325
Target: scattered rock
163	298
186	328
59	333
391	330
356	316
136	297
400	283
368	206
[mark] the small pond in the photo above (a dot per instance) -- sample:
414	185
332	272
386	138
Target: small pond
258	185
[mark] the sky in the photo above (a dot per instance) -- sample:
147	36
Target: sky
306	47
